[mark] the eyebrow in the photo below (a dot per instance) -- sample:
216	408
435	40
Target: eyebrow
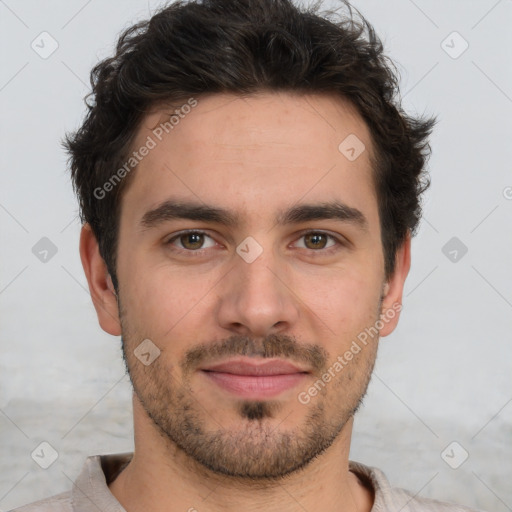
174	209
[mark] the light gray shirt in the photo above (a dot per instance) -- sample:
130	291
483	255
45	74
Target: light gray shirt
90	492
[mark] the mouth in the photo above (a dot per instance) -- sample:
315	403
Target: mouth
247	378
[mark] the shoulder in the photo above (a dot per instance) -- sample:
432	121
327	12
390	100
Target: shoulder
59	503
392	499
414	503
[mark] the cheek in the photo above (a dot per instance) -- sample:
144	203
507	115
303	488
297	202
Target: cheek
163	301
341	295
344	307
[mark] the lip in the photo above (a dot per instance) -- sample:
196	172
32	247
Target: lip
251	367
249	379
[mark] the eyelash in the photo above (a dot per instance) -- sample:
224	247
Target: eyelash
199	252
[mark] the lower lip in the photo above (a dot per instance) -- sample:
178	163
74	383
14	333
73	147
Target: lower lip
255	387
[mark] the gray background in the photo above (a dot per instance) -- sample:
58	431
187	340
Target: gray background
444	375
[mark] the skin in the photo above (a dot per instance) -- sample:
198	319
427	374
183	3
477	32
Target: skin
197	445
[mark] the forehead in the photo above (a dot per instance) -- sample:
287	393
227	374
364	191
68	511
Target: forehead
253	153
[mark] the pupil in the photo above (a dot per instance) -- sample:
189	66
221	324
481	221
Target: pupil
194	240
316	240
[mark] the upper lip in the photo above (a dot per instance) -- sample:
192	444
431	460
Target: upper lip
251	367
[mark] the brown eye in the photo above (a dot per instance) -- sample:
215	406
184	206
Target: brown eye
319	243
315	240
192	241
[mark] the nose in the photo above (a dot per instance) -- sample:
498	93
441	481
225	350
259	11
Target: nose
256	298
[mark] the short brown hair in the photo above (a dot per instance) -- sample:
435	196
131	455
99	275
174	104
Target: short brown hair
190	48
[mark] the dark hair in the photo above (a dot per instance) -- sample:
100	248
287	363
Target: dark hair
193	48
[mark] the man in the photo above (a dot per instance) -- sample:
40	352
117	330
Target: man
249	186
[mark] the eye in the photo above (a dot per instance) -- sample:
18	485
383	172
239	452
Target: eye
196	242
191	241
317	240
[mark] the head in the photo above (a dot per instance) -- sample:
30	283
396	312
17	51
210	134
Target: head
275	137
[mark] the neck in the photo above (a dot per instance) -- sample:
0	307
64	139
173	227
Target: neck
161	477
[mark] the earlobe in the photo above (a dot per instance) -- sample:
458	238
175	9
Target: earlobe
102	290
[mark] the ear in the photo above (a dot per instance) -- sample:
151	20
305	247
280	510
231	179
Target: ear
394	287
100	283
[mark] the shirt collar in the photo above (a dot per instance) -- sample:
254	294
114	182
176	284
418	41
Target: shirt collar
91	492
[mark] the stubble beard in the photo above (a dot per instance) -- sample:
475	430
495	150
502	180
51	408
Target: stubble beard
258	448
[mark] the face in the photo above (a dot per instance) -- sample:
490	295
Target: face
250	257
